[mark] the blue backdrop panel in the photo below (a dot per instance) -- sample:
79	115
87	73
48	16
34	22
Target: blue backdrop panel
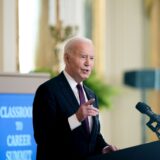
16	130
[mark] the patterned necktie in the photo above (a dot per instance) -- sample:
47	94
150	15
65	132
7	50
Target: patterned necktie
85	122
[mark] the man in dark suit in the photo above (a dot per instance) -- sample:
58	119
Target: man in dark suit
58	114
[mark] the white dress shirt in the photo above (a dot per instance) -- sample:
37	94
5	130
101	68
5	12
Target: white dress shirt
73	121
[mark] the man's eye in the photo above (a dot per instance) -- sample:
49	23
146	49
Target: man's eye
83	56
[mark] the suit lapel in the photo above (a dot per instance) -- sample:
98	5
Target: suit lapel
94	118
68	95
88	93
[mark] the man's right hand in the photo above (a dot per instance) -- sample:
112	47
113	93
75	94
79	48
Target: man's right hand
86	110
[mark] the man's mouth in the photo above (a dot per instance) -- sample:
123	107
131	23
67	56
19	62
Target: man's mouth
85	70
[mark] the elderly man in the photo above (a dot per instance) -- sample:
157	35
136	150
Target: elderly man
65	111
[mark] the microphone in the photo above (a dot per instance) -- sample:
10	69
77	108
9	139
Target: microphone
154	118
145	109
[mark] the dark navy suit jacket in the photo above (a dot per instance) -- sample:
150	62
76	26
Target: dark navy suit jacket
54	102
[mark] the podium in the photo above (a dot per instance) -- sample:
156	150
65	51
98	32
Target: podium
147	151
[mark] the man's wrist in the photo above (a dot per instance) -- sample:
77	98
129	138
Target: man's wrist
73	122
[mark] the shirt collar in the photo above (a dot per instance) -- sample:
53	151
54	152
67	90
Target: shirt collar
70	80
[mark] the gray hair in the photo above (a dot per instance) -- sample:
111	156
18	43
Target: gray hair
73	40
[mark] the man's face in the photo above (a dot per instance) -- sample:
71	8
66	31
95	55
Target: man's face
80	61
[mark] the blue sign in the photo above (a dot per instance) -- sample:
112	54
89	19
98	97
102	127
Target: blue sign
16	130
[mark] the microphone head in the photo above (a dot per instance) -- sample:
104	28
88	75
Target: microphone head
142	107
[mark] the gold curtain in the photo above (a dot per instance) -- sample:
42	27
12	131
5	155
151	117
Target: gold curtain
98	34
44	53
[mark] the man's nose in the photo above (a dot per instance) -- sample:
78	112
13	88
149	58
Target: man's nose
87	62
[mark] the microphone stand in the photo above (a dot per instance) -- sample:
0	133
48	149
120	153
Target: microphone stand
154	126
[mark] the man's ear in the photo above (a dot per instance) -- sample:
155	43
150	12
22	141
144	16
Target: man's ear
66	58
